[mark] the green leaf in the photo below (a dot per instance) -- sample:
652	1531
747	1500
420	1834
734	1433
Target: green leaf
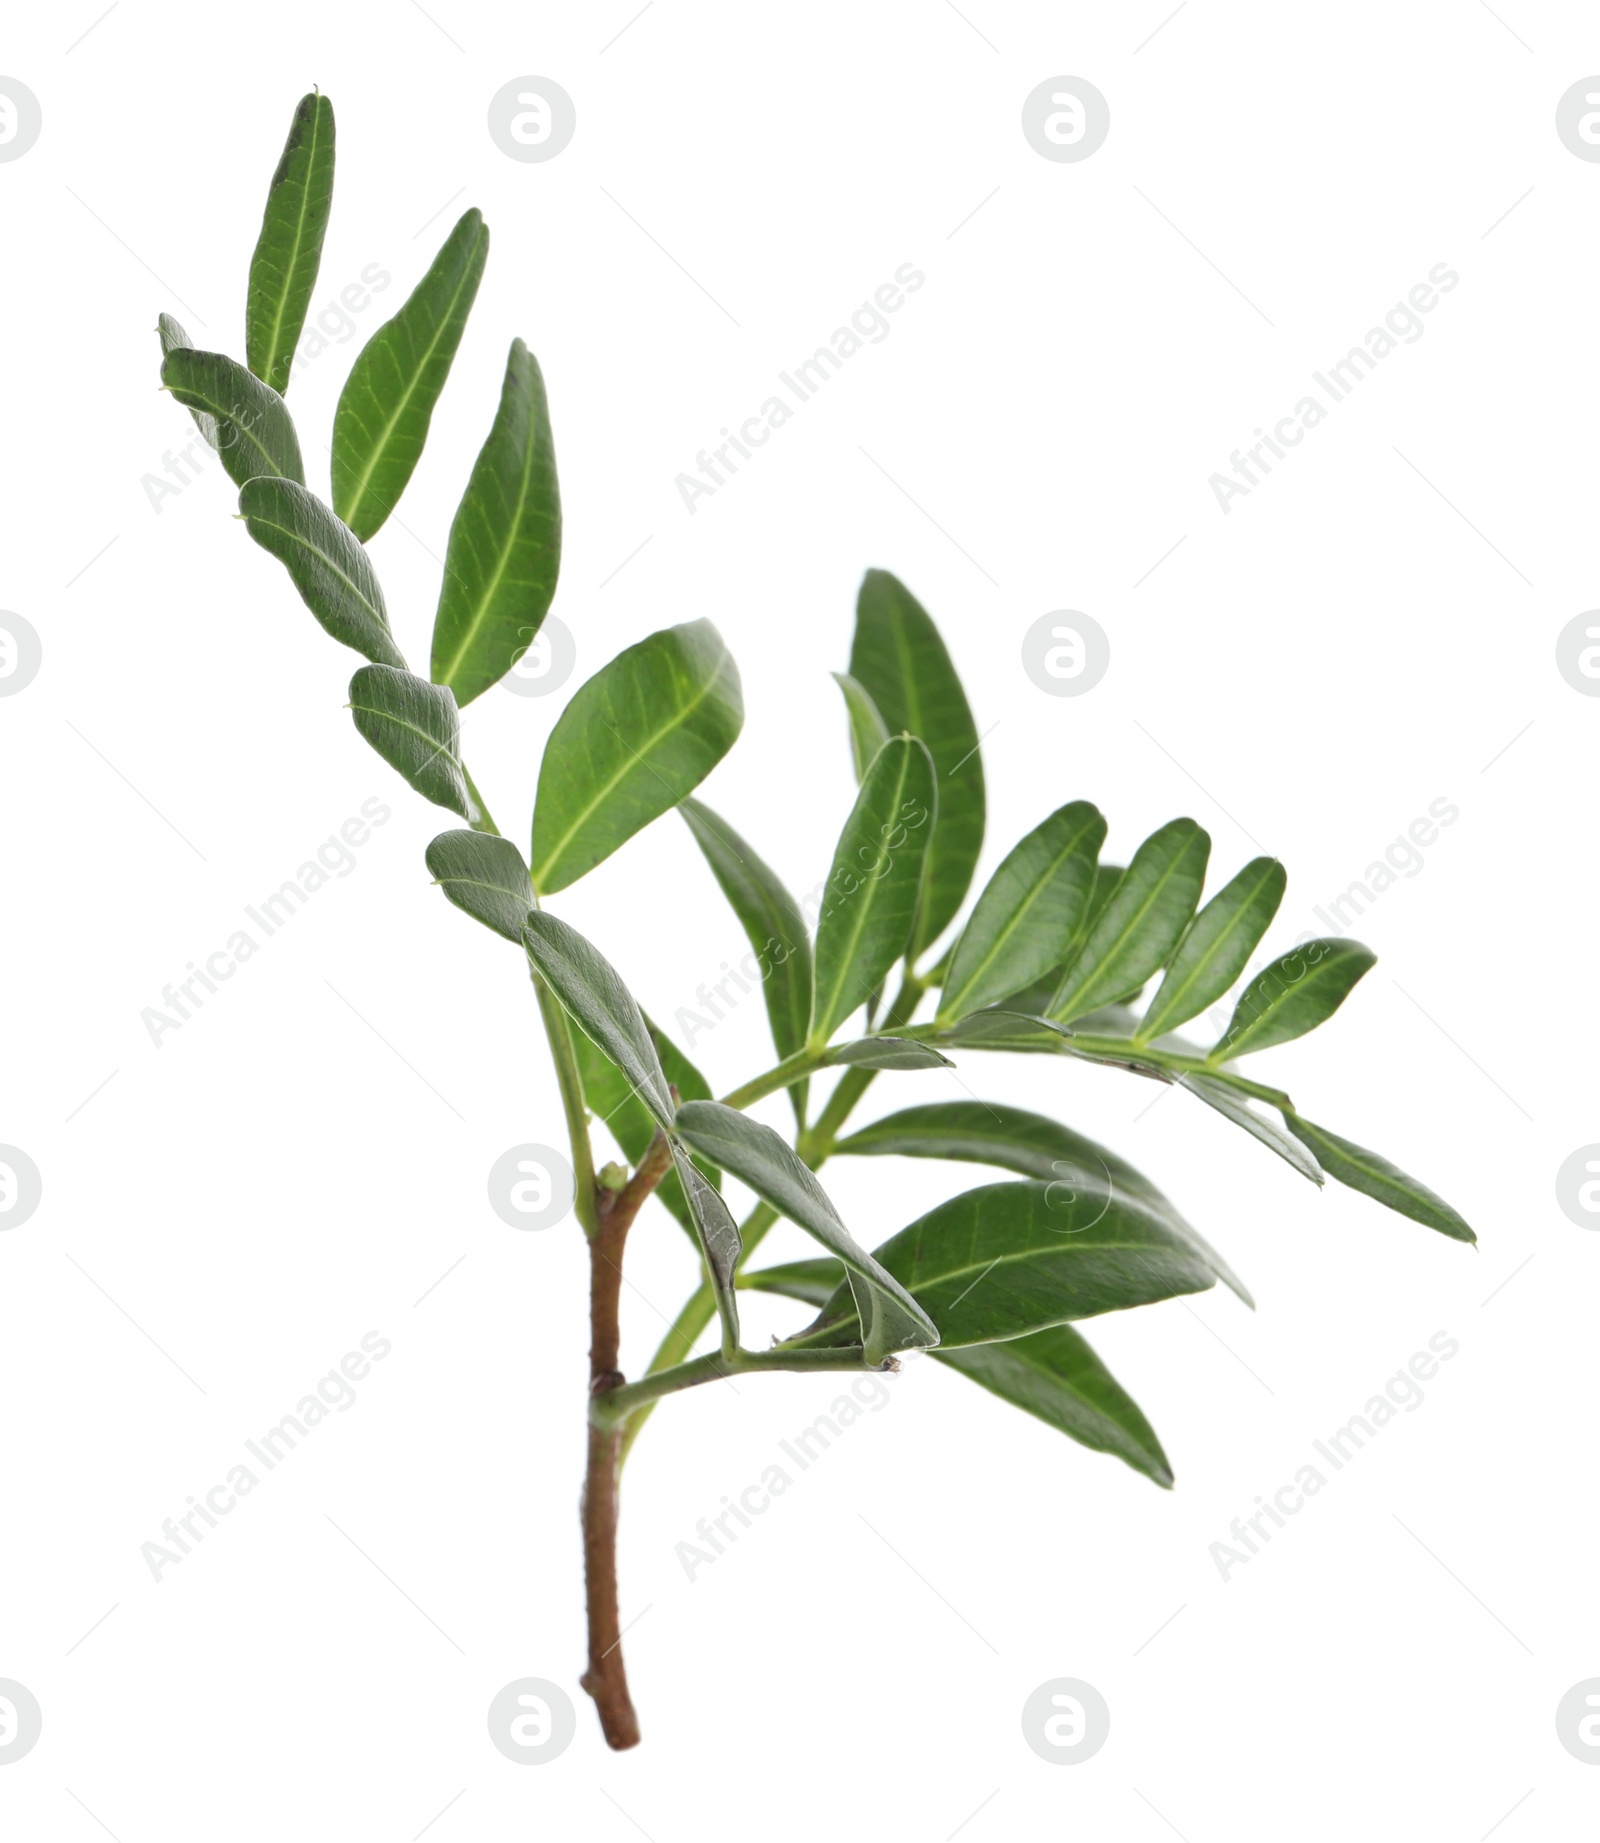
872	890
283	270
591	990
1000	1028
1055	1376
327	565
174	338
718	1235
381	423
615	1104
887	1053
486	878
1008	1259
774	926
1032	1000
643	732
1235	1107
504	554
992	1133
1216	946
1140	925
868	731
1052	1374
255	434
811	1282
1023	923
416	728
1375	1177
890	1319
1293	995
900	659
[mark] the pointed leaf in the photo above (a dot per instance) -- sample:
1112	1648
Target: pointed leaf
999	1028
1009	1259
255	435
591	990
1293	995
618	1108
868	731
174	338
1216	947
381	423
901	660
328	566
718	1235
755	1154
504	553
1140	925
1030	909
874	885
643	732
1235	1107
992	1133
1052	1374
486	877
773	924
1374	1176
1033	999
283	270
887	1053
416	728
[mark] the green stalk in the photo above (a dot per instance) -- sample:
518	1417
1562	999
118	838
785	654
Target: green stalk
814	1146
792	1069
609	1410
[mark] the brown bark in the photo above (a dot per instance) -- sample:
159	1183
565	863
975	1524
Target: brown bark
606	1679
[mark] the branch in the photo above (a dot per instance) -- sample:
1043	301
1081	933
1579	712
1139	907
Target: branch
614	1407
606	1679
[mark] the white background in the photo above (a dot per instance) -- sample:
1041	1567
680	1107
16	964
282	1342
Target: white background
1369	631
